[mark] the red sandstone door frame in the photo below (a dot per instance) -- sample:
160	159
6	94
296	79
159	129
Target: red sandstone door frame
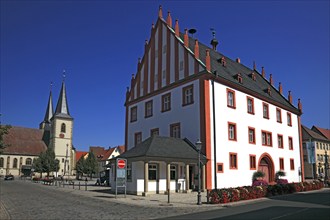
266	165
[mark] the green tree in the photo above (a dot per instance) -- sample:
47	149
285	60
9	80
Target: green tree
46	162
37	165
49	161
80	167
4	129
91	165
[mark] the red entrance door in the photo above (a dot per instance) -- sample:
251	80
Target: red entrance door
264	167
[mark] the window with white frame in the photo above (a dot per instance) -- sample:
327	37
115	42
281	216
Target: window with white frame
153	172
266	138
278	115
148	109
137	138
232	131
289	120
134	114
280	141
231	98
28	161
166	102
188	95
265	110
250	105
175	130
252	135
1	162
173	172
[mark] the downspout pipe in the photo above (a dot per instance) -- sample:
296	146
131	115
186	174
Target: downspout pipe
214	137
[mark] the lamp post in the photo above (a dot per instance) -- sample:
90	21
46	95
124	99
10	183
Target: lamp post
326	167
199	147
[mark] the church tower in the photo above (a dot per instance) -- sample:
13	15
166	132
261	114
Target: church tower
61	134
46	123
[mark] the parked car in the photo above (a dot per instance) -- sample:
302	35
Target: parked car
9	177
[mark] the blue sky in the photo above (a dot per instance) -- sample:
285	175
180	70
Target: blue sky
98	43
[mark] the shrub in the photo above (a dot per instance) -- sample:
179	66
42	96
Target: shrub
257	175
282	181
259	183
214	197
226	195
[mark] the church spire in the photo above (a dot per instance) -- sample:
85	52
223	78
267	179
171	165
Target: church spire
49	111
62	108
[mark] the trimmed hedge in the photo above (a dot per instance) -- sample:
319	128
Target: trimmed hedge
226	195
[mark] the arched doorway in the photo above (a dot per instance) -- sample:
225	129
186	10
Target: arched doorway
266	165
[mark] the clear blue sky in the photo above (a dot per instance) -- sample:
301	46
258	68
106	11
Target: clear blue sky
98	43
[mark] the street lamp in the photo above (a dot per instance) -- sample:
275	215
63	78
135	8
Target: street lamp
199	147
326	167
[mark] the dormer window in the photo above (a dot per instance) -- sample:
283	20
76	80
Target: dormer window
253	76
223	61
269	91
239	78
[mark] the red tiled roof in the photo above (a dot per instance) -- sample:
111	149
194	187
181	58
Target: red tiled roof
98	151
323	131
108	153
80	154
121	149
24	141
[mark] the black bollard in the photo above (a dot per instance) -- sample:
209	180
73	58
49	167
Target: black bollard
168	195
86	186
207	196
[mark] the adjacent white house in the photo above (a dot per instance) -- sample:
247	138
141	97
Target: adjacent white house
185	89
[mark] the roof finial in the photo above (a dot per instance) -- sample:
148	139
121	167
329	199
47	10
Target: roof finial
169	19
63	75
160	12
177	29
51	85
214	42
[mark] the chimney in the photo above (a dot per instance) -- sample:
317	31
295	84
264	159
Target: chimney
254	65
290	97
177	30
238	60
196	49
271	79
169	19
160	12
299	106
208	61
263	72
280	89
186	38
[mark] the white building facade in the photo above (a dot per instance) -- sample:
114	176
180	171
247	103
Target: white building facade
185	89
